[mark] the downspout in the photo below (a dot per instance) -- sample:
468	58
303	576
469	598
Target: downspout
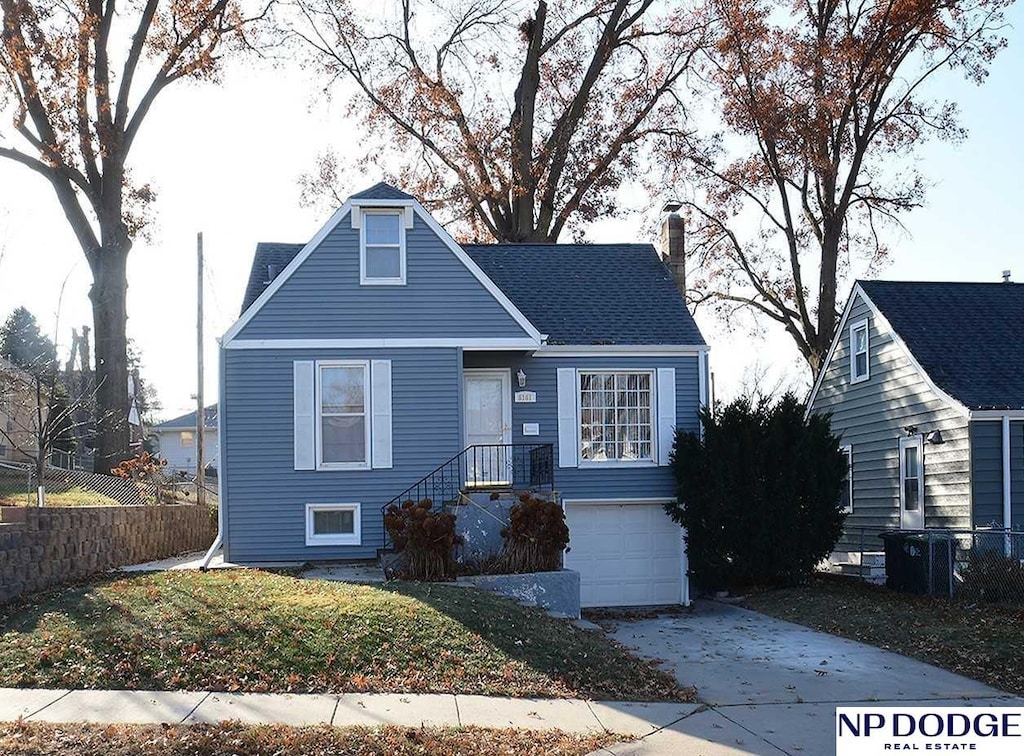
1007	509
222	470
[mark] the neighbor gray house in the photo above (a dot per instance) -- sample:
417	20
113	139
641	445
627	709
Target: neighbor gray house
925	383
383	361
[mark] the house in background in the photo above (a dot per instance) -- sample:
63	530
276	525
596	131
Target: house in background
17	414
383	350
925	383
176	441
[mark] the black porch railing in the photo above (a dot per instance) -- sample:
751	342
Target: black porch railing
483	467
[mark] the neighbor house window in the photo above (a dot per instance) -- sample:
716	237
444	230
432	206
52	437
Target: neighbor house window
615	416
343	433
332	525
188	438
846	497
859	351
382	247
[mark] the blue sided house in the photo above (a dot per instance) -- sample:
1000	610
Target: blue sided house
383	361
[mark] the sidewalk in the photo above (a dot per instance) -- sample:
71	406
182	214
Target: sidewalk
347	709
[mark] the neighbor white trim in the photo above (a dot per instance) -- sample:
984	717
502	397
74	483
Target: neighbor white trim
1007	475
880	324
619	350
474	344
355	538
319	418
996	414
864	324
535	336
904	443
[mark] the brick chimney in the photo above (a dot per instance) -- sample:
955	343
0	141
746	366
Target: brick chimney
673	244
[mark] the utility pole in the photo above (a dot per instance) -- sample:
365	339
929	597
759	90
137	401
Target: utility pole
201	409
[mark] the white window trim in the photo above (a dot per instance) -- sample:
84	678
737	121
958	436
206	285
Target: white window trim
318	407
906	442
363	279
854	378
355	538
190	442
847	449
645	462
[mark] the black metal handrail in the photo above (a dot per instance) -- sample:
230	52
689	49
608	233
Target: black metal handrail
483	467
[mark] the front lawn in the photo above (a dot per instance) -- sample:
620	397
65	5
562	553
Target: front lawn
981	641
233	739
247	630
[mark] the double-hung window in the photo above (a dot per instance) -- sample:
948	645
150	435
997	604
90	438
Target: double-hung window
859	353
382	248
616	416
343	430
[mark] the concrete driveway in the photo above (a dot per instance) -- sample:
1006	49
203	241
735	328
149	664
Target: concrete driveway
771	687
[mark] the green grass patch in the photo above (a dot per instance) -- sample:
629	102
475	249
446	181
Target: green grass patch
980	641
248	630
233	739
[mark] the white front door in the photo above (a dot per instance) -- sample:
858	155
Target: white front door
912	483
487	401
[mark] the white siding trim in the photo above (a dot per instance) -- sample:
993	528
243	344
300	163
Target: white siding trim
475	344
285	274
619	350
666	398
380	400
568	422
355	538
304	410
1007	475
997	414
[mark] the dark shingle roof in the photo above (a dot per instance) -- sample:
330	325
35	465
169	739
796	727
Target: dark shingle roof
576	293
187	422
966	336
380	190
591	293
268	262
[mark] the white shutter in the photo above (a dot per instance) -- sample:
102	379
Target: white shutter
568	426
305	415
666	413
380	400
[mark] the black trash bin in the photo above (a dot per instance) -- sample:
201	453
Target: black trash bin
918	562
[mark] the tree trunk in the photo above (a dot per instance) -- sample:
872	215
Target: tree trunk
109	295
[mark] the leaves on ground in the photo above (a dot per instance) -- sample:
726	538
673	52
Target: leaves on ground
254	631
980	641
234	739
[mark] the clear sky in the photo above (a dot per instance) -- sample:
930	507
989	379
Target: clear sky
225	161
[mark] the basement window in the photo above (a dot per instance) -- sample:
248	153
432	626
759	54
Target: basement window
333	525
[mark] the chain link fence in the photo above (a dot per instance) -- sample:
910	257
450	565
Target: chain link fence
980	564
20	486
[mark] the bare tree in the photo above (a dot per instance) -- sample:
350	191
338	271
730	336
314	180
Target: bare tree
823	105
519	124
79	78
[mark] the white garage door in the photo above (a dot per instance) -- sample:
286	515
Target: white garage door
627	554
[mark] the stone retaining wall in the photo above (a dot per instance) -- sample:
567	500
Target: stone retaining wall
55	545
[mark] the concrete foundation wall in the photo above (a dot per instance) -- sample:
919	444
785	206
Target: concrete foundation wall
48	547
557	592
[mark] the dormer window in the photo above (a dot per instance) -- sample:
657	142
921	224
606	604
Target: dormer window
382	247
859	352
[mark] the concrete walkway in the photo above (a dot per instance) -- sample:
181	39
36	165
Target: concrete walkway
771	687
365	709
